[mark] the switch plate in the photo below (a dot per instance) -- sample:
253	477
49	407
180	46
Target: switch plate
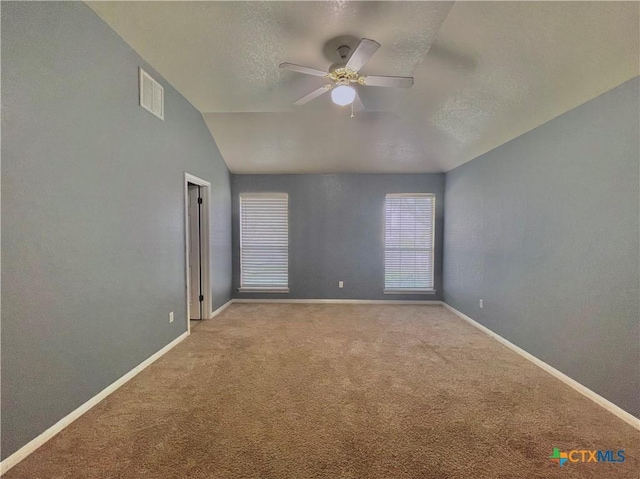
481	303
171	317
340	284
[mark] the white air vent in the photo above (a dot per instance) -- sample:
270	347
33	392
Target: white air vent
151	95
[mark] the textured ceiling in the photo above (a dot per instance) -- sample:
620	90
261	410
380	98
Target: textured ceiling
485	72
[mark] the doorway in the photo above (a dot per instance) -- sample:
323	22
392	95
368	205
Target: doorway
197	198
196	297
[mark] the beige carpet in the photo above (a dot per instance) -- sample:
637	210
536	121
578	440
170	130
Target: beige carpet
337	391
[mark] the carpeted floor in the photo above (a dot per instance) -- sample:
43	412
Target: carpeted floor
337	391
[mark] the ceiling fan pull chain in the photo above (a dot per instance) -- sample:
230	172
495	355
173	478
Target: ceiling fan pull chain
351	109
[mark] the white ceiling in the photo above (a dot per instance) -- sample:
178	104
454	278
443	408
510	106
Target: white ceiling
485	72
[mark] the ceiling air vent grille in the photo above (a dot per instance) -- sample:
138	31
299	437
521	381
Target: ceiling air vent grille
151	95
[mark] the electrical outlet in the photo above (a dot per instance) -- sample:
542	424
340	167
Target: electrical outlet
171	317
340	284
481	303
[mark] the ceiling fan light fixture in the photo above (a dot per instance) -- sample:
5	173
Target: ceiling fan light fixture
343	95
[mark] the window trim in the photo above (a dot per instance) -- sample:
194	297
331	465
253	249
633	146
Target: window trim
266	289
408	291
263	290
433	248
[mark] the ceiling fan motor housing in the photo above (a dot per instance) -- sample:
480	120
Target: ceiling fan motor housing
339	74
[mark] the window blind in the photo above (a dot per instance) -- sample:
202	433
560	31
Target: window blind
264	242
408	242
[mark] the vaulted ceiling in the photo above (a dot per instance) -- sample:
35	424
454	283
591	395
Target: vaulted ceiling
485	72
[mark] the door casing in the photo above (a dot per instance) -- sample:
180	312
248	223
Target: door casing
205	238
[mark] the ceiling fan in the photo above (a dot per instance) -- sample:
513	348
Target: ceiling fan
342	75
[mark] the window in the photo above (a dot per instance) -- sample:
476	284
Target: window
264	242
408	243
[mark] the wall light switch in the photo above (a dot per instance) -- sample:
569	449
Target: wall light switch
171	317
340	284
481	304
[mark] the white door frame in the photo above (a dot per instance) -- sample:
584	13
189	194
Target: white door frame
205	244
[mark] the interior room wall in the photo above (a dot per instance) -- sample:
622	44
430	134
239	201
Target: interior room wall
336	232
93	249
545	229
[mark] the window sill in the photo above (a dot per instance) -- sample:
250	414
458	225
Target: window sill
263	290
409	291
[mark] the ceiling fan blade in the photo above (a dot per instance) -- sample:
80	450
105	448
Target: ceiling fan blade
396	82
300	69
357	104
312	95
366	49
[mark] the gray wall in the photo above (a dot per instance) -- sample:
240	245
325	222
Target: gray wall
336	231
545	230
92	213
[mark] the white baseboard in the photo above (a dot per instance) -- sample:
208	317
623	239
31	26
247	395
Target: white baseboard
585	391
221	309
35	443
336	301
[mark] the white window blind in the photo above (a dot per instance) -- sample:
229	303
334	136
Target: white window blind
408	242
264	242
